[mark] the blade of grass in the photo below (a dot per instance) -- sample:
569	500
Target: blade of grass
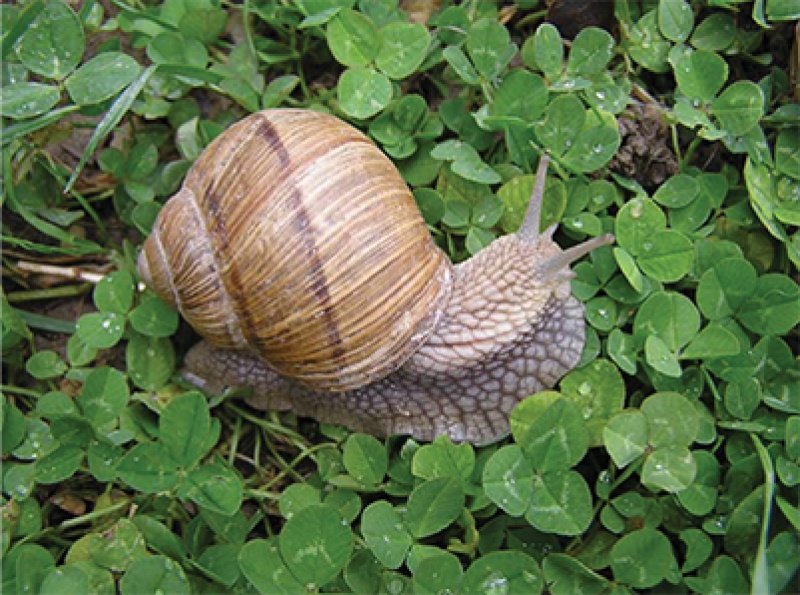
21	129
115	113
74	244
143	15
248	34
760	583
18	297
46	162
47	323
191	72
44	248
18	390
792	513
12	319
25	18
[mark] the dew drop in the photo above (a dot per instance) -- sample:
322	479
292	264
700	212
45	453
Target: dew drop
495	584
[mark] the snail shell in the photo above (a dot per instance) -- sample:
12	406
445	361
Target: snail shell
294	237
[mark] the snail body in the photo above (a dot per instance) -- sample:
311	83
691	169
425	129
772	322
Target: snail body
297	251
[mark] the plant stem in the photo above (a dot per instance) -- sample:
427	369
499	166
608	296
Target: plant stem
289	468
64	291
95	514
687	156
18	390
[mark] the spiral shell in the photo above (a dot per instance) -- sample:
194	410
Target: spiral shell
295	237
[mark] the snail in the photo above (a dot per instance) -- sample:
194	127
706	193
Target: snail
296	250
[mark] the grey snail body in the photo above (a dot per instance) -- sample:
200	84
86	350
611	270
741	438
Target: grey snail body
460	346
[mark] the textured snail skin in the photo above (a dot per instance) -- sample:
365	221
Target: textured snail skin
511	329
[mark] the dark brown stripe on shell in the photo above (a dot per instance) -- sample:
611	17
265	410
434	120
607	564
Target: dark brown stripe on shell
217	225
270	136
303	229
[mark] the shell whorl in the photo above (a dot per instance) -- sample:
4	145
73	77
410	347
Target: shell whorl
295	237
